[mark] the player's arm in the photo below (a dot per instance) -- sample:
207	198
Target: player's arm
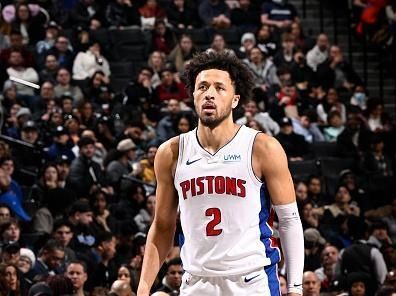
161	233
270	164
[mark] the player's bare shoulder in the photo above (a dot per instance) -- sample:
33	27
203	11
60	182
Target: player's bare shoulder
267	154
167	154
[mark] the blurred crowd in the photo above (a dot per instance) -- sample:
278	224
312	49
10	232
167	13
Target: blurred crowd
91	88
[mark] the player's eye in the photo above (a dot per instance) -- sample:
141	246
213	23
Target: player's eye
202	87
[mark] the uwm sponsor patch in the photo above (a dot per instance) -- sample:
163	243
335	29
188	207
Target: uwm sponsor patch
213	185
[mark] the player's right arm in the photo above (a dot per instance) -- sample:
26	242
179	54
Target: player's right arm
161	233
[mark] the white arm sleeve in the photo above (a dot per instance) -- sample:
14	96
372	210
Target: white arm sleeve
292	240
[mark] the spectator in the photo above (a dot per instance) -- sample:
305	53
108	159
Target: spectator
139	92
359	97
336	72
10	253
22	116
88	119
295	146
301	189
335	127
10	231
171	87
311	284
303	42
40	288
147	165
44	100
87	63
278	13
83	11
165	127
5	214
326	273
145	217
63	234
313	244
16	43
51	67
163	38
30	133
331	103
284	56
246	17
315	193
182	52
50	259
64	86
103	220
182	15
248	42
379	234
61	144
390	11
359	284
270	126
310	215
120	288
218	44
26	260
60	284
214	13
127	274
266	40
52	30
157	63
63	52
76	271
18	70
377	120
172	281
304	126
85	174
9	280
319	53
376	160
122	14
150	12
301	73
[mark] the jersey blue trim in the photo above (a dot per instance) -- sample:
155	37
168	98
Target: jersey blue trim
273	279
181	239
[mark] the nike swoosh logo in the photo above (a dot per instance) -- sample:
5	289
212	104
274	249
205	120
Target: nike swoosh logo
192	161
297	285
249	279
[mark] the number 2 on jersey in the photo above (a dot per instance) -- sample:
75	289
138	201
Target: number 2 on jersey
210	228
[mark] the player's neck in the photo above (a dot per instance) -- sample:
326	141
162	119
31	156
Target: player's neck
212	139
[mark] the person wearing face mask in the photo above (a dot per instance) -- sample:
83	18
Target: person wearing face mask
359	97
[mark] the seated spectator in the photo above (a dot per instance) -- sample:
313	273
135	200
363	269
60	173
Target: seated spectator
184	122
10	97
376	160
62	51
5	214
50	70
182	52
301	190
215	14
87	63
171	87
319	53
52	30
10	253
76	271
63	232
358	194
26	261
50	260
379	234
284	56
313	245
147	165
304	126
266	40
182	15
377	120
61	144
103	220
127	274
139	92
248	42
311	284
150	12
303	42
165	127
120	288
326	273
301	73
310	215
163	38
157	63
64	85
18	70
8	165
31	26
246	17
330	103
173	279
88	118
278	13
218	44
287	98
270	126
335	127
10	281
122	14
131	202
45	100
30	133
337	72
83	11
295	146
316	193
145	217
264	70
359	97
10	231
60	284
16	43
22	116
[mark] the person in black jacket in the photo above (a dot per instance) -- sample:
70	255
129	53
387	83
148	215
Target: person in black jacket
122	13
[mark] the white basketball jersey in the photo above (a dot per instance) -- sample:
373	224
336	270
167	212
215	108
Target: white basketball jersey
224	209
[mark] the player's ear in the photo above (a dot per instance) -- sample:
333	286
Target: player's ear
235	101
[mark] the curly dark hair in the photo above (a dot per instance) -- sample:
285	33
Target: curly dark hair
225	61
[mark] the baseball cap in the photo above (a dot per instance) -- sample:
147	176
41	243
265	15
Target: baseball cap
63	159
313	235
15	206
59	131
40	289
30	125
11	247
23	111
285	121
126	145
80	206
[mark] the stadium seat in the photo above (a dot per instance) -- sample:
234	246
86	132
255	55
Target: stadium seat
232	36
332	166
119	84
199	36
102	36
126	37
121	69
303	169
129	53
324	149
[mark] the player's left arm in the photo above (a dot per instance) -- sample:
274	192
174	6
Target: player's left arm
270	164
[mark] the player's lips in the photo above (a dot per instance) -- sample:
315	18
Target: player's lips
208	106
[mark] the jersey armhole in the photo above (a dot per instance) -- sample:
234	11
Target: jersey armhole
250	161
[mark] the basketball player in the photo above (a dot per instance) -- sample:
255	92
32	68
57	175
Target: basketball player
227	178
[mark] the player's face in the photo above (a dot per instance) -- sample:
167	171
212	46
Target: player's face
214	97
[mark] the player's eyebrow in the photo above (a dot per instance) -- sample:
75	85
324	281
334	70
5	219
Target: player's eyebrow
217	83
